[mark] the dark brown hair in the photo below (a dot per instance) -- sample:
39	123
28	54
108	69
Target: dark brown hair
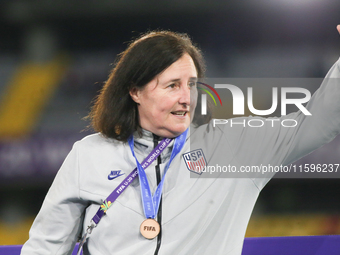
114	113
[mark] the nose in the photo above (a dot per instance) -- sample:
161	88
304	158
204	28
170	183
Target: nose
185	96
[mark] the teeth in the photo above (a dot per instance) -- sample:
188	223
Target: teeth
179	113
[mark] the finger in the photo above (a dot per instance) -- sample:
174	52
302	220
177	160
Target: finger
338	27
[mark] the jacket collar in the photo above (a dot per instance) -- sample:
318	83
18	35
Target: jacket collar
146	144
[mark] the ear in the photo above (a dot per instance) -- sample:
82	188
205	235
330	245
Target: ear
134	93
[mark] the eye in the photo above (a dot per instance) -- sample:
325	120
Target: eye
192	84
173	85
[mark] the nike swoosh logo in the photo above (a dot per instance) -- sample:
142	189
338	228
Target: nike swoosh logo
110	177
114	175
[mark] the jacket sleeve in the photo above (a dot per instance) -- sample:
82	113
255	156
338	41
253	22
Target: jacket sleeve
58	224
279	145
324	124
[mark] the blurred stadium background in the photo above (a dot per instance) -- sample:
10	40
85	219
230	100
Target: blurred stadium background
55	55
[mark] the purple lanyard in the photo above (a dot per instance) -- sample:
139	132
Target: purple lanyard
121	187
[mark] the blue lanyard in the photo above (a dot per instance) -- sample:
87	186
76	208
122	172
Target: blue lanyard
151	203
121	187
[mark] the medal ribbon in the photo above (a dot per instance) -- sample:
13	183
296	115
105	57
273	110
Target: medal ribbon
129	179
151	203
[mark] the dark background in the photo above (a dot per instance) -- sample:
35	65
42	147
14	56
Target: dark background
250	38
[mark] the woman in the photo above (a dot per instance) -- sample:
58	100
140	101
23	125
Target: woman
151	94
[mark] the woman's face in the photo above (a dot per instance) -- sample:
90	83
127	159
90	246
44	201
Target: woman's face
166	105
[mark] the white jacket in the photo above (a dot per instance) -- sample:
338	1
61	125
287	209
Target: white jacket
200	214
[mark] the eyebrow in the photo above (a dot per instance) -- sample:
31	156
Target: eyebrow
176	80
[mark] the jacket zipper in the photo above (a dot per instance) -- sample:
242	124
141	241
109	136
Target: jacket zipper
158	178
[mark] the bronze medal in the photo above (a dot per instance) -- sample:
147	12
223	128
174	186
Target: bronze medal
149	228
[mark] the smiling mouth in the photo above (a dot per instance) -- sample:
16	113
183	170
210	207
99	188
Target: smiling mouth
179	113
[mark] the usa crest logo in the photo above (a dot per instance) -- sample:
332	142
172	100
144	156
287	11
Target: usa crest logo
195	161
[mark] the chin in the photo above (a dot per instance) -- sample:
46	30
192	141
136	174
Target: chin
170	131
175	132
